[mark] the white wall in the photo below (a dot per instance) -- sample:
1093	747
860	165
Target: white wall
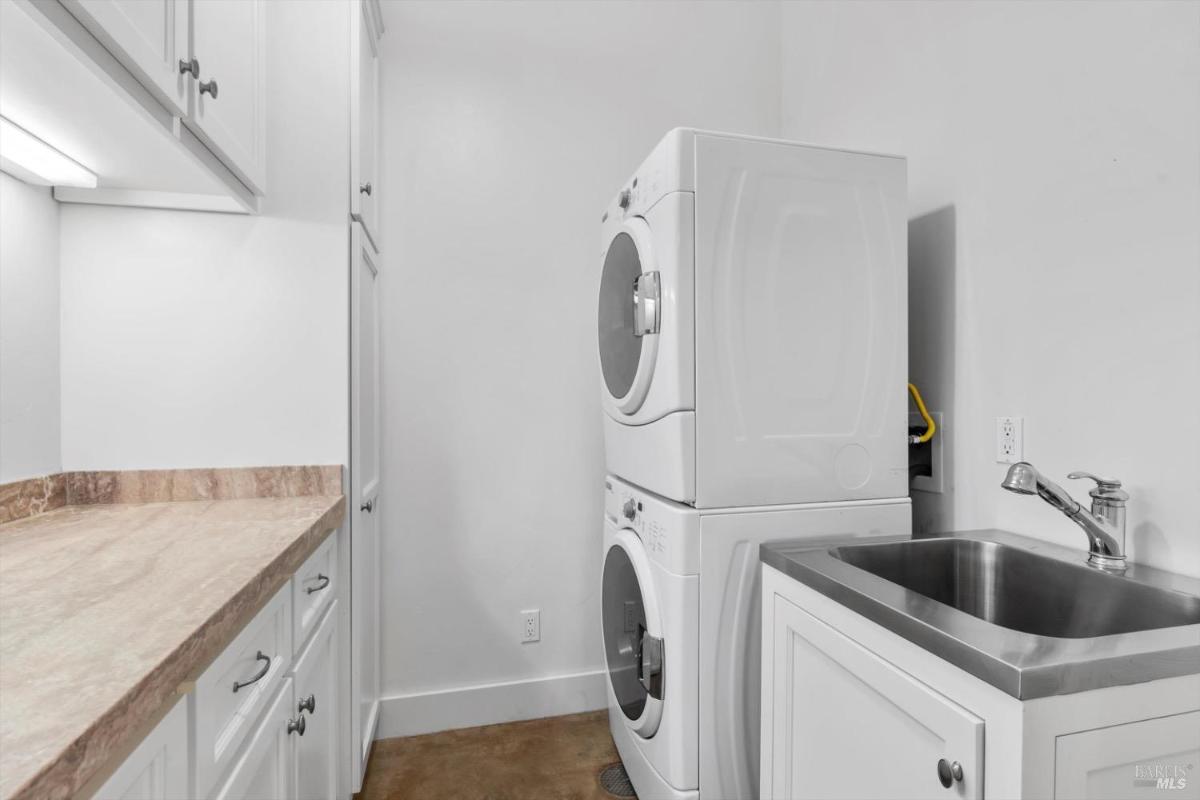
193	339
507	128
29	288
1055	255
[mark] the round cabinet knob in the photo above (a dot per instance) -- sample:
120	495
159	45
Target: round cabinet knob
629	509
368	506
624	199
309	704
949	772
209	87
365	188
191	66
296	725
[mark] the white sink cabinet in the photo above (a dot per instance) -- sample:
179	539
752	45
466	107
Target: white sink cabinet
852	710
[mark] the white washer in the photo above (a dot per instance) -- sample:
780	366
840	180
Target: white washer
680	601
752	323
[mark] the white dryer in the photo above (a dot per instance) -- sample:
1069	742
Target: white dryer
681	621
753	323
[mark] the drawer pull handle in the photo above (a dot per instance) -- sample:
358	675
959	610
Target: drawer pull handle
324	582
296	725
309	704
210	87
192	66
262	673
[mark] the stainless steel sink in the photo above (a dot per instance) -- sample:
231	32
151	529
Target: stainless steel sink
1027	616
1014	588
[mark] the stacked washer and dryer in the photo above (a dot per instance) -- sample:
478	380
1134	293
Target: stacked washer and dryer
753	345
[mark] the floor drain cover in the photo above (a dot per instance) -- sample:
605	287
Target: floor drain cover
615	781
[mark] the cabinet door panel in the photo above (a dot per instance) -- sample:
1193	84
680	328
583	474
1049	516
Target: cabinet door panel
158	768
228	39
148	36
266	767
365	118
1154	758
847	724
366	512
316	692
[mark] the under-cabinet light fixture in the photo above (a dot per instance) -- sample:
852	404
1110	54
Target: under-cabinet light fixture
28	158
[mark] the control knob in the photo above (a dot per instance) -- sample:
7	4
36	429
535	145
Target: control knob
629	510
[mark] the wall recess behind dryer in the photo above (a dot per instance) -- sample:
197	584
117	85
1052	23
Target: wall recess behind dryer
925	459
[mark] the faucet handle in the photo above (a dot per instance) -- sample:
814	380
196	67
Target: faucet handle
1106	488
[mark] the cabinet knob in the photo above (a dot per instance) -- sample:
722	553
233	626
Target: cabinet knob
949	772
309	704
209	87
368	506
365	188
192	66
296	725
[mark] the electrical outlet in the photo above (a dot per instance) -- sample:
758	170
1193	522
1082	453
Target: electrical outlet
531	625
1010	440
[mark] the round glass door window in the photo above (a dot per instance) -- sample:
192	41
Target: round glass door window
620	349
624	614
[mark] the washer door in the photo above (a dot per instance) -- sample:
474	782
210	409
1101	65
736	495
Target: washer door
633	644
630	311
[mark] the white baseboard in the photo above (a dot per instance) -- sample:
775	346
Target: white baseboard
488	704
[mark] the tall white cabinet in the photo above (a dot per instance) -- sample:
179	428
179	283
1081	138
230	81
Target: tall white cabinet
365	420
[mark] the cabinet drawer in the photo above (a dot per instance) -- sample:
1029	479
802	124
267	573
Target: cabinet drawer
313	588
255	663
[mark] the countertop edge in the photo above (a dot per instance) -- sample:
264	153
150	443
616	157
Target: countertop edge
79	763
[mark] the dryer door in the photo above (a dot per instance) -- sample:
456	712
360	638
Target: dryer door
633	644
630	315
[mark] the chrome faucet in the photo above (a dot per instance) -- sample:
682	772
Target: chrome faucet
1104	524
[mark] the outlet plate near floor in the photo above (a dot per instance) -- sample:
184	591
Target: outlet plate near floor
1010	440
531	625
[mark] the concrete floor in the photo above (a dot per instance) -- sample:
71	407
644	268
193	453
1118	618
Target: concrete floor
545	759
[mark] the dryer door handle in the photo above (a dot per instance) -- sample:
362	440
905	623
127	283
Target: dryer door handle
647	304
650	664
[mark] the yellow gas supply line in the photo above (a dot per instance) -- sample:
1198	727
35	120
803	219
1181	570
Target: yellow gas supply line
930	425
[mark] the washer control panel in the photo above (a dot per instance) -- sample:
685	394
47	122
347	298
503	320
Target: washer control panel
669	531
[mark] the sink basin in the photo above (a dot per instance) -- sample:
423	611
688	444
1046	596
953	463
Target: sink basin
1021	590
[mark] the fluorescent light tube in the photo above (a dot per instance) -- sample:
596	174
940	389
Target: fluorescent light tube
28	158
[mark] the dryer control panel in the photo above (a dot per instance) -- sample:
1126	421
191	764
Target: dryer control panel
669	531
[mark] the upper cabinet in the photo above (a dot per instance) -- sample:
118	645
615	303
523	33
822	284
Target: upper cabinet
163	100
364	134
227	104
150	36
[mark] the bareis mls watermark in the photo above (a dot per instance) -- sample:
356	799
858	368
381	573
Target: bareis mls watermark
1162	776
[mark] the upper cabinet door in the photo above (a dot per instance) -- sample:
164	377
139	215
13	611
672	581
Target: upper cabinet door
365	117
229	96
148	36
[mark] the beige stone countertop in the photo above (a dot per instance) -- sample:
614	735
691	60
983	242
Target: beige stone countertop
106	611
